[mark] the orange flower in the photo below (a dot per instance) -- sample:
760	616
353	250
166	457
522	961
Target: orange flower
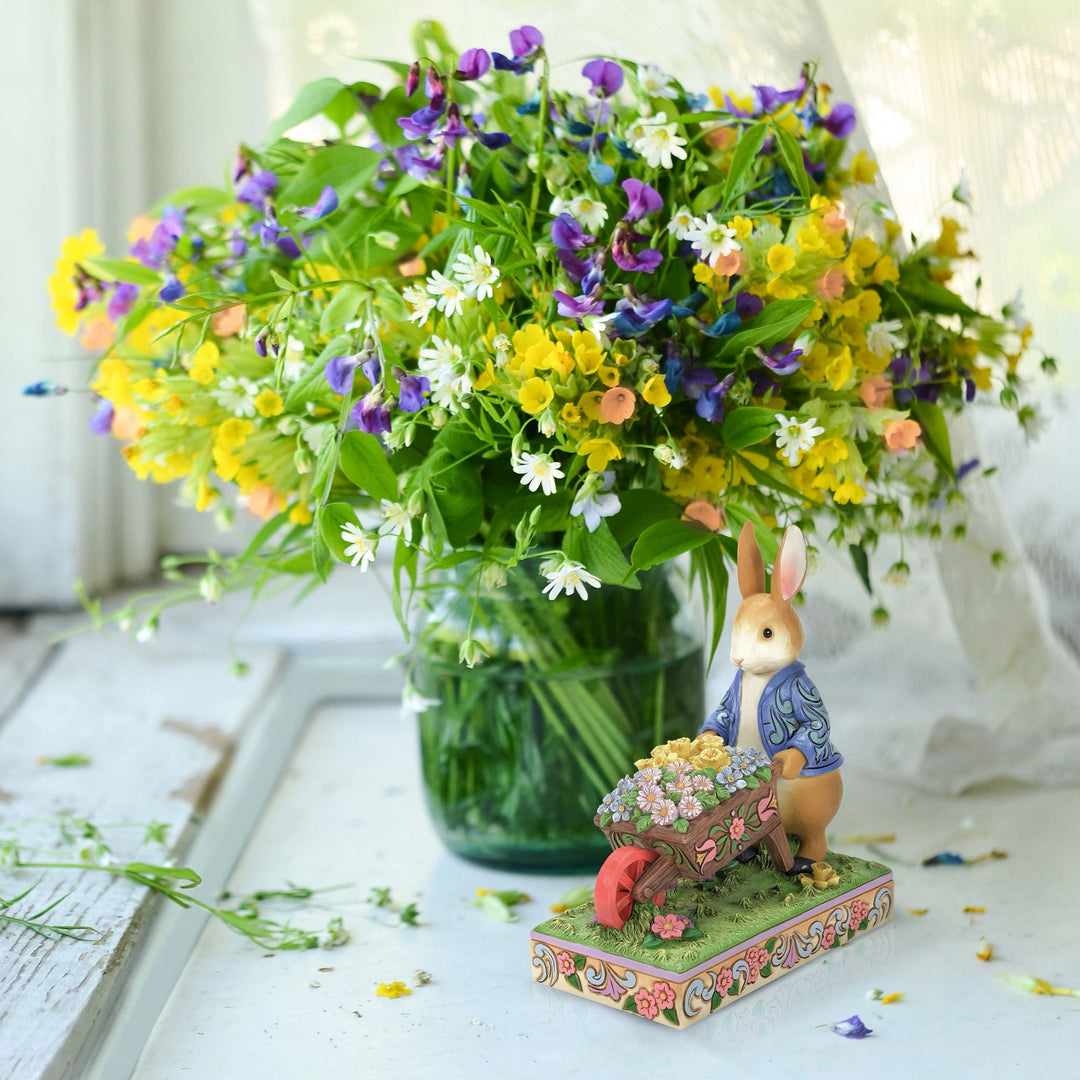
617	405
875	392
712	517
831	285
263	501
729	265
901	434
229	322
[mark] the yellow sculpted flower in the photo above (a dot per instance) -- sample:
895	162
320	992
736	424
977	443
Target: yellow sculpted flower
268	403
849	492
781	258
656	392
535	395
712	757
203	361
680	747
705	740
600	451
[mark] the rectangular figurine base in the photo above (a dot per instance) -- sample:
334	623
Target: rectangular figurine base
680	998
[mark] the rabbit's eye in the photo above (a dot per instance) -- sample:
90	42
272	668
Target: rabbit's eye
767	632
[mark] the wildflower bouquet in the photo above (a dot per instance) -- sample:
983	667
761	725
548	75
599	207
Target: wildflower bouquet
538	341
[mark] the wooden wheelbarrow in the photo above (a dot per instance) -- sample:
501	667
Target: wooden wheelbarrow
643	866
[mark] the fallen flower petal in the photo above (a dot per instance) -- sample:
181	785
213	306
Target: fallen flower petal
918	911
888	999
985	950
851	1028
392	990
1033	985
975	910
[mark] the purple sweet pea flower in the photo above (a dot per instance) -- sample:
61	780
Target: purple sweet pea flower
840	122
493	140
636	314
568	235
412	162
371	368
238	244
414	389
684	309
762	384
172	290
605	75
770	99
435	88
852	1028
260	342
269	230
370	414
780	360
728	323
747	305
673	369
710	404
577	307
454	129
911	382
122	300
340	372
643	199
256	188
326	205
963	469
474	64
525	42
644	261
696	380
576	269
421	124
412	79
155	250
101	421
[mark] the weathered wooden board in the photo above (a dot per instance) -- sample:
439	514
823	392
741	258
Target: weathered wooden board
159	722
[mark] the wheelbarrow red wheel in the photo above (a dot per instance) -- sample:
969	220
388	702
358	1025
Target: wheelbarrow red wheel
614	892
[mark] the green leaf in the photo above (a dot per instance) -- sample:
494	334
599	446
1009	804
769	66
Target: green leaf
777	321
342	308
601	555
204	198
691	934
672	1015
746	150
667	539
861	561
630	1005
644	824
342	108
935	434
330	519
363	461
641	507
574	981
791	155
491	904
459	494
121	270
320	550
390	302
738	515
748	426
708	197
922	292
184	876
651	941
579	961
680	825
345	168
312	100
709	559
767	479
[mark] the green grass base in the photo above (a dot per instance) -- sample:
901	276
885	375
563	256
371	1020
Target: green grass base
744	900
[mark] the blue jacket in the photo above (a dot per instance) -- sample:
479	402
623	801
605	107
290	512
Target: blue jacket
790	713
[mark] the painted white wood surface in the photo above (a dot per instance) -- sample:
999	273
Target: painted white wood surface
236	1013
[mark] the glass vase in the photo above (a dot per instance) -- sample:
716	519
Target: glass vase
519	750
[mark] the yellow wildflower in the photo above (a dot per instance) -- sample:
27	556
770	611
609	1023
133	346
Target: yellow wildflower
709	473
863	168
703	273
486	377
206	496
300	514
600	451
849	492
570	414
392	990
268	403
810	237
946	242
784	290
589	403
609	375
587	351
781	258
203	361
656	392
61	284
535	395
885	271
232	434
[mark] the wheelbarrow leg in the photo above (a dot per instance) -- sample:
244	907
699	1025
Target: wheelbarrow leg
776	844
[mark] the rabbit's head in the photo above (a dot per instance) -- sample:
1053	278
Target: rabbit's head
767	635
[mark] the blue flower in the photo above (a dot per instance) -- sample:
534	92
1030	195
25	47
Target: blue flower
172	290
852	1028
568	235
526	43
601	172
101	421
326	205
412	390
728	323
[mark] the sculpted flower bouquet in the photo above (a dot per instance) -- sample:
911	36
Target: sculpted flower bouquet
537	341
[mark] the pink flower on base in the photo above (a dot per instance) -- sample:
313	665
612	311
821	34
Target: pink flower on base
828	936
859	911
566	963
736	828
646	1004
756	959
670	927
724	981
663	995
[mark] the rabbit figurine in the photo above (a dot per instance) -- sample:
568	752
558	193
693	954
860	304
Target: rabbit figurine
772	704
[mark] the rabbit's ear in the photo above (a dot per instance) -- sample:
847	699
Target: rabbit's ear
751	568
790	568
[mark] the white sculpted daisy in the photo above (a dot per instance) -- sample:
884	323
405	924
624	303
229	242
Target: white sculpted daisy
795	437
567	577
682	222
712	239
690	806
659	142
649	797
420	303
882	338
476	273
361	546
666	813
655	83
538	471
237	395
449	294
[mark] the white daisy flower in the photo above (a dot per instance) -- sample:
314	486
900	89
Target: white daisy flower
882	338
237	395
420	303
682	222
501	344
567	577
476	273
670	455
449	294
655	83
538	471
795	437
396	518
444	365
589	213
712	239
660	142
361	546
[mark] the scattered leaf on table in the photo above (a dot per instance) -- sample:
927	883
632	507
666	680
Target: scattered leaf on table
969	910
867	838
1033	985
66	761
496	908
579	894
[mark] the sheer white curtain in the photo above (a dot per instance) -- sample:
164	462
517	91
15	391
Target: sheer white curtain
970	680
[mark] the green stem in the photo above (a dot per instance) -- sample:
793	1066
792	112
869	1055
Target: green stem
534	200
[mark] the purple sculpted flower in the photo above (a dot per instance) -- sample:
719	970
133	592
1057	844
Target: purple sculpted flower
339	371
326	205
840	122
413	390
421	124
643	199
622	251
577	307
370	414
101	421
525	42
256	188
605	75
122	300
568	235
747	305
474	64
172	290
